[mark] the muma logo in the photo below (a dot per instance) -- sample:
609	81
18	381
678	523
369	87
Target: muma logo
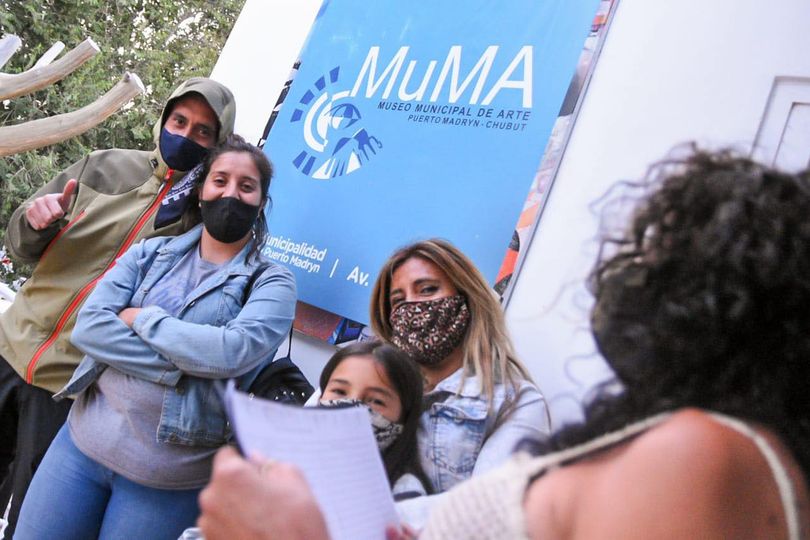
336	141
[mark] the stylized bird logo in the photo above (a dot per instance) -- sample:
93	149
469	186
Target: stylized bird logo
333	131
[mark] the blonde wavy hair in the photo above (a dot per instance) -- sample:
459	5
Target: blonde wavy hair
488	350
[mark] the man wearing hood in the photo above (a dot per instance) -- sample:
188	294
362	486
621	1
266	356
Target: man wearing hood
74	228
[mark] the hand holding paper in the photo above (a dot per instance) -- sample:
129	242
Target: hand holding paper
336	453
245	500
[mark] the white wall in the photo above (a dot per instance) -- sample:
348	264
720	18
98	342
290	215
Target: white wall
258	56
255	64
669	72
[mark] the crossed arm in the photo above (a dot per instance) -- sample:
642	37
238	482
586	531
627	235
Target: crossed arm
157	347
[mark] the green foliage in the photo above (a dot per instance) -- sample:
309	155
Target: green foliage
164	42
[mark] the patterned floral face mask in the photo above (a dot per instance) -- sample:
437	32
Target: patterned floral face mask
430	330
385	431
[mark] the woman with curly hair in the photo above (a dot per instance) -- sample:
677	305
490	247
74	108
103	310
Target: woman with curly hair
702	312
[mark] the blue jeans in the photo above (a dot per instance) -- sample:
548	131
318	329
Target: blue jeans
74	497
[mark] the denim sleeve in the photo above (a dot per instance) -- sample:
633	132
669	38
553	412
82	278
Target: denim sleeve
528	418
237	347
100	334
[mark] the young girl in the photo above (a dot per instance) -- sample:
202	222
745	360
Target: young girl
385	380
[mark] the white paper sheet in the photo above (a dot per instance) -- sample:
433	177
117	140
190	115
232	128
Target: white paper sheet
335	449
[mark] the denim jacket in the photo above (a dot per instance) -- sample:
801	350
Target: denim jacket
213	337
461	435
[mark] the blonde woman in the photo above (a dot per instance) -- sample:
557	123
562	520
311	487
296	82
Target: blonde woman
430	301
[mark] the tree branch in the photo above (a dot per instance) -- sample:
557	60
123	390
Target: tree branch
39	77
8	46
45	131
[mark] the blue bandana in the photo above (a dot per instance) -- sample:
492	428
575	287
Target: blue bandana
174	204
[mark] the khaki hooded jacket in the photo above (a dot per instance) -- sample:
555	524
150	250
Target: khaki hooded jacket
118	195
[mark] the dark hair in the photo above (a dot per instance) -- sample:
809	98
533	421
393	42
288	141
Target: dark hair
703	301
402	456
233	143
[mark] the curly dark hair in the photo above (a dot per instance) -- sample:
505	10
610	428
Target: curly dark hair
705	300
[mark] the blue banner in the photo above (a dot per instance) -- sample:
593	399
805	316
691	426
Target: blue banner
411	120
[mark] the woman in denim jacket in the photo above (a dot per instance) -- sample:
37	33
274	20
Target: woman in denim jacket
172	317
431	301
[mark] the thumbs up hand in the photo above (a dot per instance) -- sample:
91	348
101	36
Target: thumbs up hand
47	209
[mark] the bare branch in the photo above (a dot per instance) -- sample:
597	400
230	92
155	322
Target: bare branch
8	46
51	130
39	77
50	54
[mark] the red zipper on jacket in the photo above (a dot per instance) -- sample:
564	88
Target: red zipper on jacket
79	298
62	231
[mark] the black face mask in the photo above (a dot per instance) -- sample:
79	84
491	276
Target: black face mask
180	153
228	219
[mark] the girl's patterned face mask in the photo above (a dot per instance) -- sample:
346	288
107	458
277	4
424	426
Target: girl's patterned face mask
430	330
385	431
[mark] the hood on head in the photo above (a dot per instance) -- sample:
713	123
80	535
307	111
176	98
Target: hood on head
218	97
